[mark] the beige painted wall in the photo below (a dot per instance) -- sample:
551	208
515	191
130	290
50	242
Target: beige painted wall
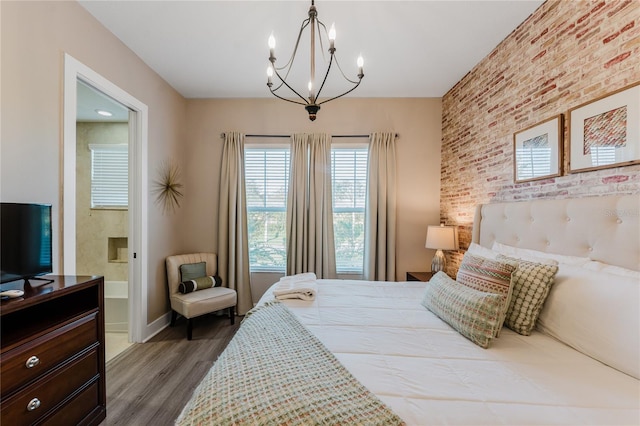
35	36
418	121
96	226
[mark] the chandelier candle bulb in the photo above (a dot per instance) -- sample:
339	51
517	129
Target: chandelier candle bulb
272	47
360	66
269	75
332	38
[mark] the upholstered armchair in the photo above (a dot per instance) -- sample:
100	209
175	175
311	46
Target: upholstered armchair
199	301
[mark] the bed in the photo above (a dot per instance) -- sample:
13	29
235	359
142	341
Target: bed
398	362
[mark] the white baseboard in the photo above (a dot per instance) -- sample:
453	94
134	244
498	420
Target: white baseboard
157	326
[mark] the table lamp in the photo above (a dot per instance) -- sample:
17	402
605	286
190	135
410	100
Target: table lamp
441	238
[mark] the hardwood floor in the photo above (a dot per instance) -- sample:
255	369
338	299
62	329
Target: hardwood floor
149	383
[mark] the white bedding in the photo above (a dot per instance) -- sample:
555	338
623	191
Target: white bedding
429	374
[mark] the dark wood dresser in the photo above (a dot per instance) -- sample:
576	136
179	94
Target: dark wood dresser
52	362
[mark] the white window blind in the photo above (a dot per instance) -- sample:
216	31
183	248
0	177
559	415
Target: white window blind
109	175
267	183
349	191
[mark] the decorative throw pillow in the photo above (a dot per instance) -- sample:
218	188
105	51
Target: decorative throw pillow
476	315
531	284
199	284
189	271
493	276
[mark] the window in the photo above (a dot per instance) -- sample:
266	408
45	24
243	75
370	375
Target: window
109	176
349	191
267	183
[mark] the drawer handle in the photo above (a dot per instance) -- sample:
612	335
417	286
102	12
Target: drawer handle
33	404
32	362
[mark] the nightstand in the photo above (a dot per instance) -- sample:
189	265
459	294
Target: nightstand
419	276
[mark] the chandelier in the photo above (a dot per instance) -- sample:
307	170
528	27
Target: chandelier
311	103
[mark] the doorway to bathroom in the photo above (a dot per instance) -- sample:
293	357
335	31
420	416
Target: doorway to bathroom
121	249
102	206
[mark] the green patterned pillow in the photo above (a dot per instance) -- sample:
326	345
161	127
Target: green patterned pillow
474	314
531	284
488	275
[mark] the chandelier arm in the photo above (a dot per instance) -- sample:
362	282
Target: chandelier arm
344	76
285	99
320	38
325	77
290	88
304	25
339	96
279	86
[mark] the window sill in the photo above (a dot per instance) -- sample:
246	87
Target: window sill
341	274
267	271
111	208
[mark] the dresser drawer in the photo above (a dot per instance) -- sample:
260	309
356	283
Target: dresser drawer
49	391
26	362
77	409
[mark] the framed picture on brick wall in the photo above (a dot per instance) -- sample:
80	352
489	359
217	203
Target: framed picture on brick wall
605	132
537	151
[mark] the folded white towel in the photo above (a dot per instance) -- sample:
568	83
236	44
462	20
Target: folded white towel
300	286
302	294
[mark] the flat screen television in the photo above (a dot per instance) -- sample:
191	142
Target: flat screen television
25	241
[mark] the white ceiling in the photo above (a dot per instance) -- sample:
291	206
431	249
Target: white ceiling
90	101
218	49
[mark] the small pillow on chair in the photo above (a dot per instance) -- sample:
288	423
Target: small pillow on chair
190	271
199	284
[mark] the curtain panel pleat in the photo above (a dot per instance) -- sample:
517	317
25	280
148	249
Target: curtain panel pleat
380	210
297	206
233	243
310	239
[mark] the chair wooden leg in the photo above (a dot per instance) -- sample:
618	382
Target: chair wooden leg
232	315
174	316
189	328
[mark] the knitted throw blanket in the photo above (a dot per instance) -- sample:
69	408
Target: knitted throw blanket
274	372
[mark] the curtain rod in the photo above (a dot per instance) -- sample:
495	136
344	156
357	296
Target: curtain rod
222	135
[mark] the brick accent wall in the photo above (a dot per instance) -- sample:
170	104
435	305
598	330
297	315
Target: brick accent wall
566	53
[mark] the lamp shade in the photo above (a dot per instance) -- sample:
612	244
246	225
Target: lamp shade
442	237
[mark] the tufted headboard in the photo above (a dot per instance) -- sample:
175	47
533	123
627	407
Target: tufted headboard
604	228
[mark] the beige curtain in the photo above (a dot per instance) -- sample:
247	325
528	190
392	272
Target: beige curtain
310	240
380	211
233	246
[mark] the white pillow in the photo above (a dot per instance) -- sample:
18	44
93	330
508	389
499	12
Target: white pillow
597	314
594	265
481	251
536	256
